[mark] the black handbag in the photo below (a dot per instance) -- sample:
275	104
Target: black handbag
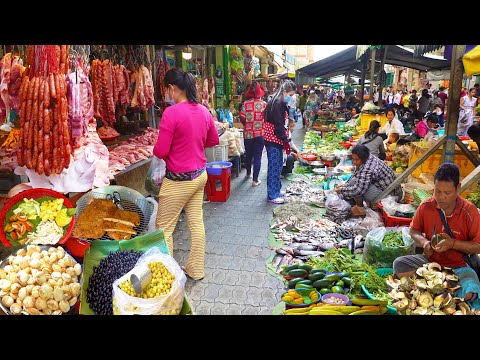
472	260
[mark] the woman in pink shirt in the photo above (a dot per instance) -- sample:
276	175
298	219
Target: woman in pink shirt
186	129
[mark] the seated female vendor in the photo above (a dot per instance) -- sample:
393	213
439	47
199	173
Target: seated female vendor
458	221
426	125
371	177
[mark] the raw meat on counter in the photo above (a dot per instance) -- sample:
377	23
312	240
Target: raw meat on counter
107	132
132	151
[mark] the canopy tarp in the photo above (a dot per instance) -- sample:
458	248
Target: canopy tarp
345	61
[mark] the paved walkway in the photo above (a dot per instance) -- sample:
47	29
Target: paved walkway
236	279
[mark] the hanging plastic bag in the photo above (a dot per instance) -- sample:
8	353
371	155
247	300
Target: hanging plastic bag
155	175
379	254
153	217
391	207
169	304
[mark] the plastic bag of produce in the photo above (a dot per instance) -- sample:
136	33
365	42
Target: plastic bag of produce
372	220
168	304
155	175
384	245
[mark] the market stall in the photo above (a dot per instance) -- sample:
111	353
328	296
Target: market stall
336	264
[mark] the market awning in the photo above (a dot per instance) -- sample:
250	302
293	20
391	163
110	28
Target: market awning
346	61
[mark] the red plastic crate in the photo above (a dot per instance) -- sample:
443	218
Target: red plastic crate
391	221
222	194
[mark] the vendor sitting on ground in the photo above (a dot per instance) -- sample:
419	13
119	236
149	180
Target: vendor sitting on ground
427	125
463	221
392	124
373	141
293	155
372	176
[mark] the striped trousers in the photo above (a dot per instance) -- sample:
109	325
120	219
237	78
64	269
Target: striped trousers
173	197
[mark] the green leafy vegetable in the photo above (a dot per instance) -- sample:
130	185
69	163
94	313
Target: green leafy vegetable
393	239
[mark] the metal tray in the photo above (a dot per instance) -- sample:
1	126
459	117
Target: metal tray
131	200
73	309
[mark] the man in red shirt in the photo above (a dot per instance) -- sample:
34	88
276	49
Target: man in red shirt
462	218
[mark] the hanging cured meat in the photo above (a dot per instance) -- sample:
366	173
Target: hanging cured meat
44	131
143	96
162	68
103	87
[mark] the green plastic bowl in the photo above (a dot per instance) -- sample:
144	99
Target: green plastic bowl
381	272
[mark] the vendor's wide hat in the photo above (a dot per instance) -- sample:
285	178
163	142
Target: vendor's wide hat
255	91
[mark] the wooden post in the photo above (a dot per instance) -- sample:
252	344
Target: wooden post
410	169
364	72
382	64
456	75
372	71
473	177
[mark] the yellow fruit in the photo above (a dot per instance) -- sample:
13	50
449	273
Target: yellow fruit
298	301
287	298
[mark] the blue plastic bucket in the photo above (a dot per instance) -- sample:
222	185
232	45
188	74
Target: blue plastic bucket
215	167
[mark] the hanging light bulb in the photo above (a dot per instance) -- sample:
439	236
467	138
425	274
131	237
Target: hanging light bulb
187	53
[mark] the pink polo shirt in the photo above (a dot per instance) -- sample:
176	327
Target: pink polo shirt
185	131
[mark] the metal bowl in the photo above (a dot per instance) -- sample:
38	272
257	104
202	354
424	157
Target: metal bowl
317	164
320	171
328	157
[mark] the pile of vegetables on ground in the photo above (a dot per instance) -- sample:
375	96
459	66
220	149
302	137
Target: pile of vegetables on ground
37	222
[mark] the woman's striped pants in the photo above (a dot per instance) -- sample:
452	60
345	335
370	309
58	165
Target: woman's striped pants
173	197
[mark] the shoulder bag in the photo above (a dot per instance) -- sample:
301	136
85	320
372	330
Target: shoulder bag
472	260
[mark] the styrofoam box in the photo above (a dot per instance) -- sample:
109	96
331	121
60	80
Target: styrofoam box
217	153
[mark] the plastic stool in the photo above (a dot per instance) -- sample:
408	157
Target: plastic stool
218	195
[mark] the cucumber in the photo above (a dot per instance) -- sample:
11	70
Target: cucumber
347	280
293	282
303	286
305	267
332	277
344	274
337	289
297	272
318	270
305	281
290	267
316	276
319	284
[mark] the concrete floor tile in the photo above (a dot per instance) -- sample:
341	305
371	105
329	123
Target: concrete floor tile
224	261
258	279
219	309
254	296
235	309
204	308
244	279
249	264
268	298
254	252
231	277
211	292
265	311
225	294
218	276
239	295
250	310
197	291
